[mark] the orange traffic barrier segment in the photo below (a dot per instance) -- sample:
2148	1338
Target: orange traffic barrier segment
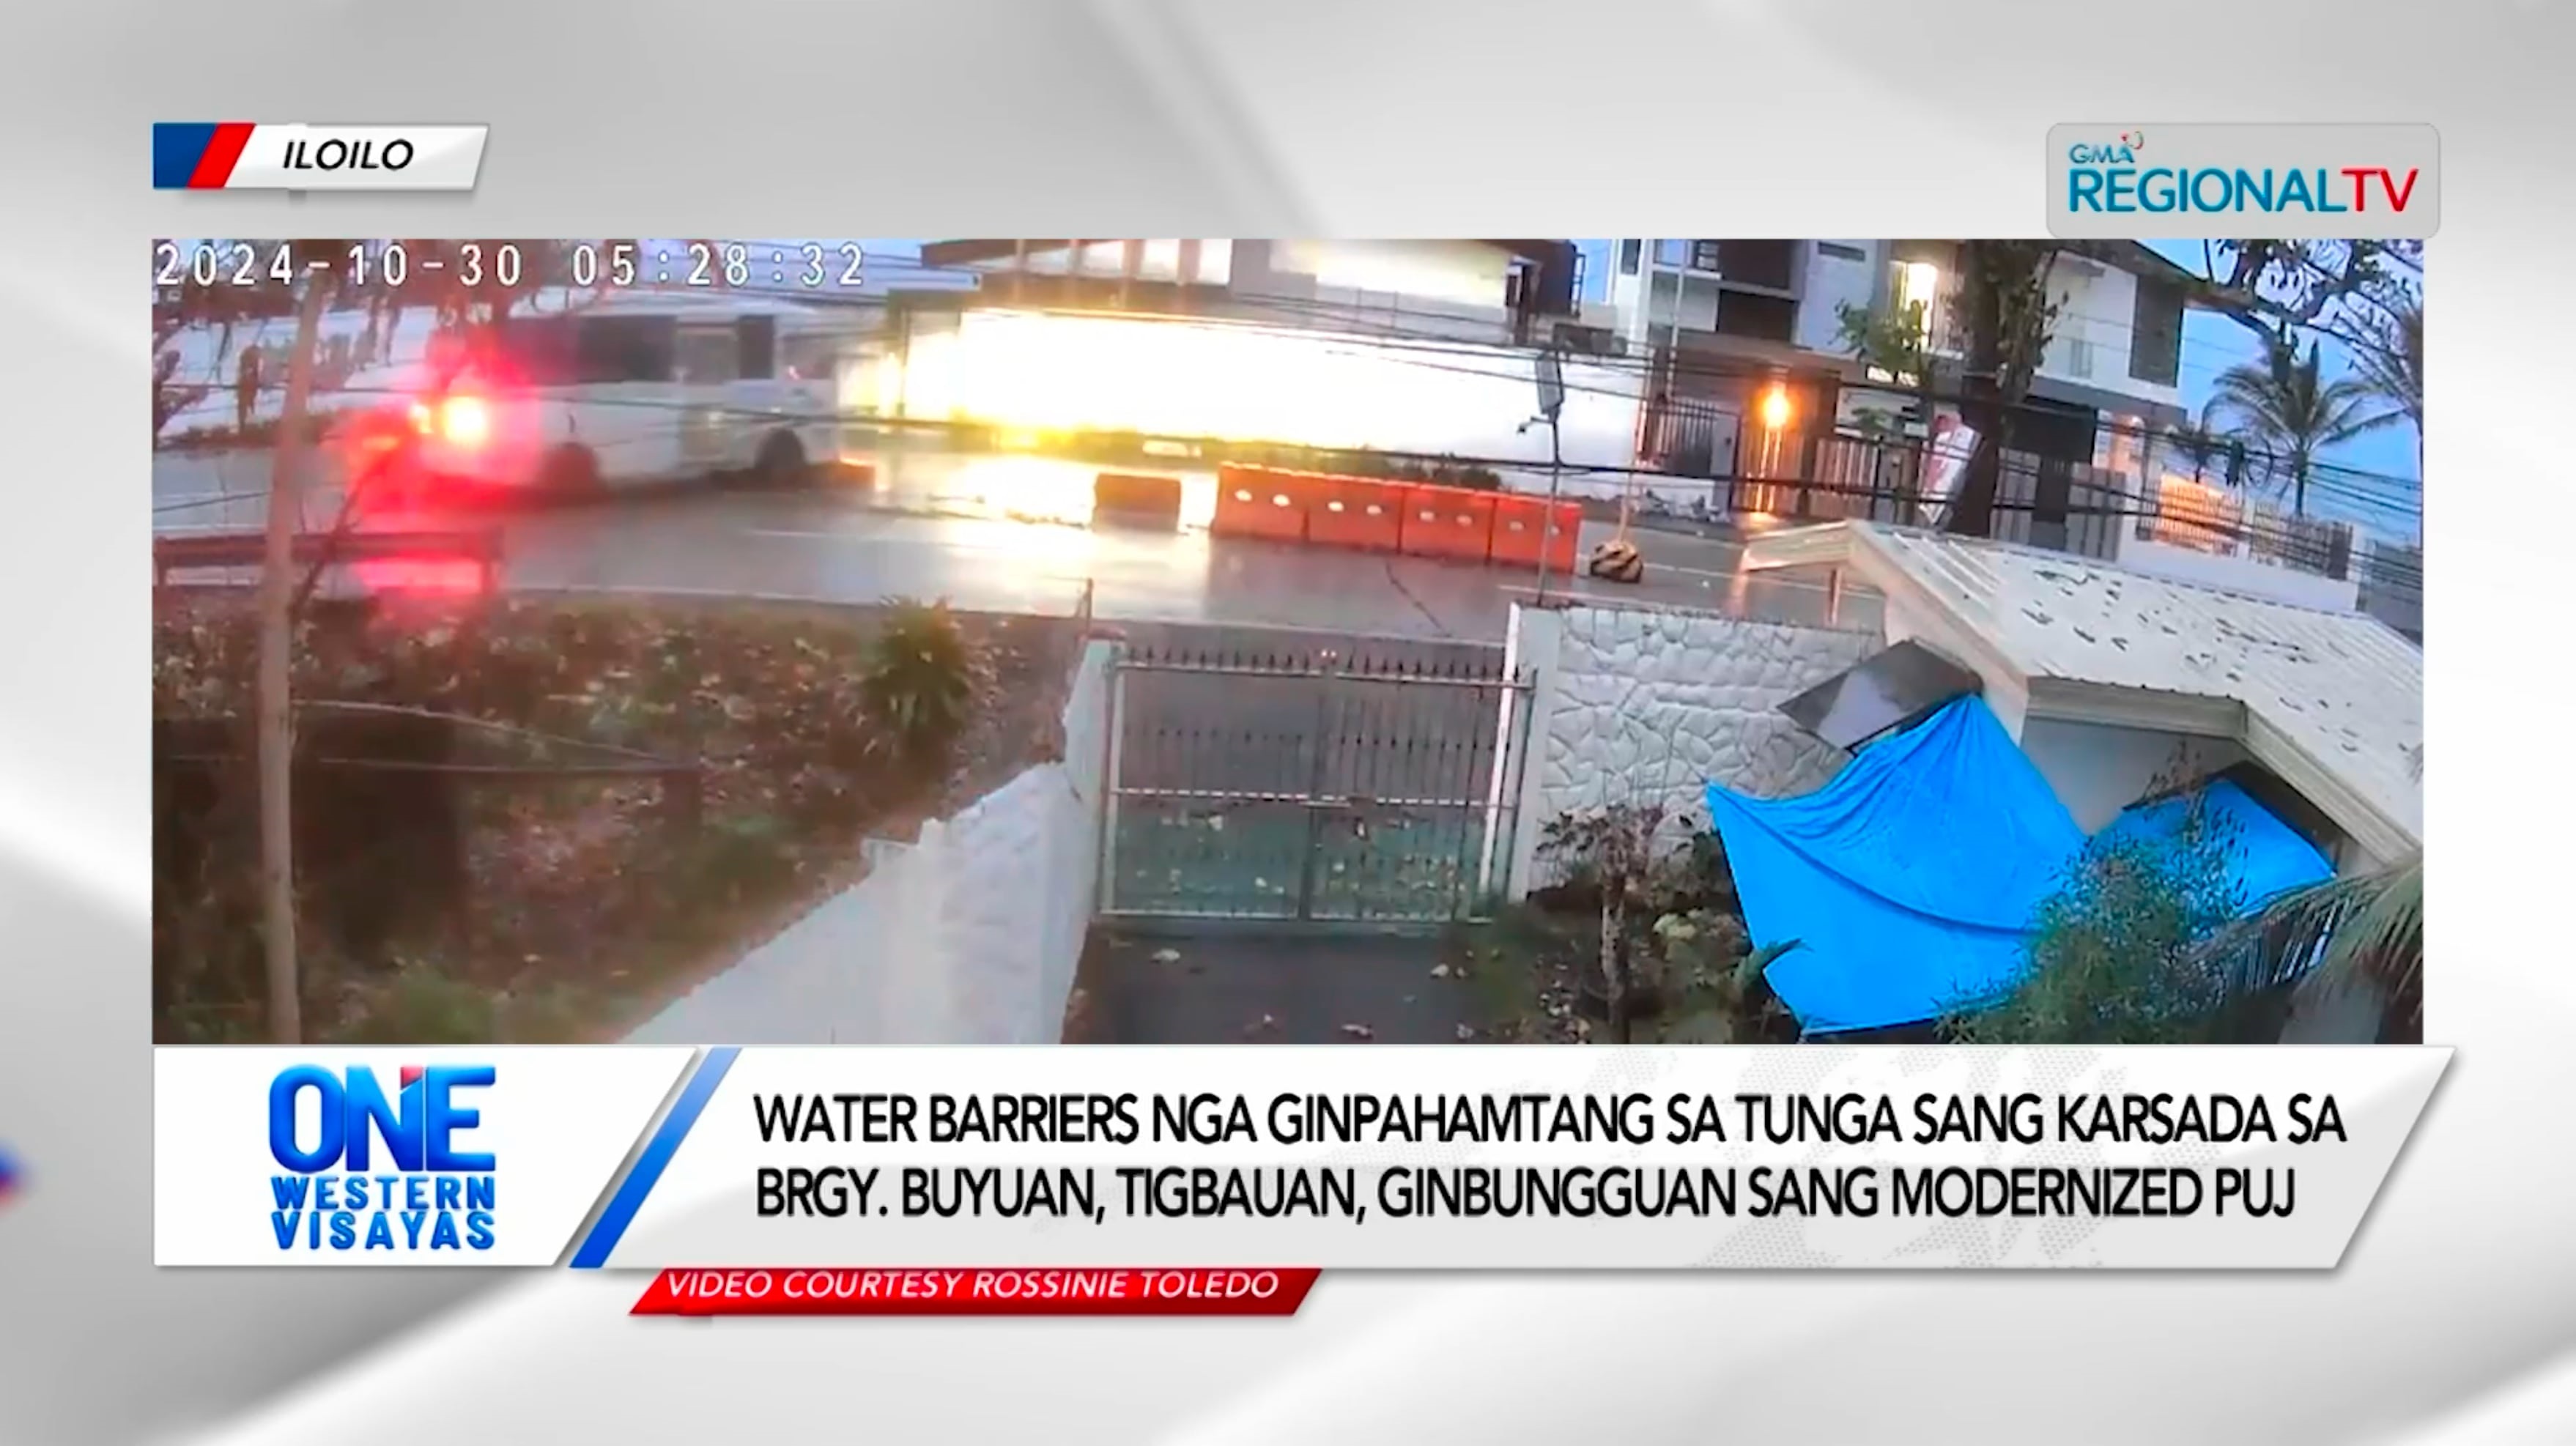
1449	522
1358	512
1136	494
1523	537
1257	502
1458	524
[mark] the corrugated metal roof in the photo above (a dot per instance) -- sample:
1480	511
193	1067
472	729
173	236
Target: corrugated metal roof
2342	689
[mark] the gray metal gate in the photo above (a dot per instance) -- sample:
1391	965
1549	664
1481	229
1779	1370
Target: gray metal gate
1361	782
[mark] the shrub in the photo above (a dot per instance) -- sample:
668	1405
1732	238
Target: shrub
421	1005
920	682
1616	846
2116	956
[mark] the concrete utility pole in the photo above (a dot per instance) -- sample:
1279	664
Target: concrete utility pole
1551	408
275	703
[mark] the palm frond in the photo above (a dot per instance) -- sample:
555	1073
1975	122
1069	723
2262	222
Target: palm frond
2286	403
1751	969
2361	928
2394	371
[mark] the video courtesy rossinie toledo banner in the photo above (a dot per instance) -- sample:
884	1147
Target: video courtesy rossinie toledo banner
1349	1156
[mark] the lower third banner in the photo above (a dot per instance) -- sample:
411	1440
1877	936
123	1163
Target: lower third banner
1163	1159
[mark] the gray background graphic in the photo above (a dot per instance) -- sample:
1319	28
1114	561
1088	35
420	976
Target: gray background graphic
2454	1315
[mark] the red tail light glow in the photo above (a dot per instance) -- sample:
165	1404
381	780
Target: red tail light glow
464	421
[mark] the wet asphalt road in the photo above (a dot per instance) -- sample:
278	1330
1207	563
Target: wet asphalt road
940	528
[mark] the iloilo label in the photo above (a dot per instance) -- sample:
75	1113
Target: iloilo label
264	156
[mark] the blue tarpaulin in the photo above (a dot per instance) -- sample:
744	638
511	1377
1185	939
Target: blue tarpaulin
2266	857
1911	879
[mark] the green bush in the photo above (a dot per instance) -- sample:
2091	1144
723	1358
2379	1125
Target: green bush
2116	956
920	682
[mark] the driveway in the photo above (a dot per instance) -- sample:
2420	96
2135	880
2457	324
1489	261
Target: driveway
1301	988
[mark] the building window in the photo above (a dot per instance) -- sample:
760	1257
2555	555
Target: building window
2155	335
1706	256
1917	284
1841	252
1675	254
1757	317
1630	254
1769	264
2079	357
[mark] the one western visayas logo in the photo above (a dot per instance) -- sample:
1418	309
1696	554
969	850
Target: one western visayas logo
367	1172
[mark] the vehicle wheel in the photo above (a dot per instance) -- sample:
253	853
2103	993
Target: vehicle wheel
782	462
570	474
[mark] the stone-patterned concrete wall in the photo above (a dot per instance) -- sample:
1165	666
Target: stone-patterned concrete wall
1643	704
970	936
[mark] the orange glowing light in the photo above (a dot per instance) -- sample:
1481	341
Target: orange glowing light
1776	409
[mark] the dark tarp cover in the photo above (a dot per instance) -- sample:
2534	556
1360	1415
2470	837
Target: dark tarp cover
1911	879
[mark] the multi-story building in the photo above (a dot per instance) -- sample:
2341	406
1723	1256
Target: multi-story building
1716	321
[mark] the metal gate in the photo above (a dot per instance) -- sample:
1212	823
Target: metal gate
1371	782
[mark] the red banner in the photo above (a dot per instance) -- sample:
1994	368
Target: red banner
1233	1291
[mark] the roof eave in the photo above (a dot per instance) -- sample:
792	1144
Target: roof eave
1855	545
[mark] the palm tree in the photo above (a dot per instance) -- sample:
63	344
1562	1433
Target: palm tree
2288	404
2394	371
2363	929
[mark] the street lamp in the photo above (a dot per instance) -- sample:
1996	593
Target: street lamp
1776	408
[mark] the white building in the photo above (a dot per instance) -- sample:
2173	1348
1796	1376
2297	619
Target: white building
2115	353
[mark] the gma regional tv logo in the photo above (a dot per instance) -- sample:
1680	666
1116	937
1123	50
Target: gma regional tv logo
2135	182
363	1170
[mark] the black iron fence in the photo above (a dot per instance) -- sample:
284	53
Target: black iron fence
1352	781
2040	501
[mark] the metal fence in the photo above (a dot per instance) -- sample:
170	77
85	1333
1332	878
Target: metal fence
2039	501
1323	781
